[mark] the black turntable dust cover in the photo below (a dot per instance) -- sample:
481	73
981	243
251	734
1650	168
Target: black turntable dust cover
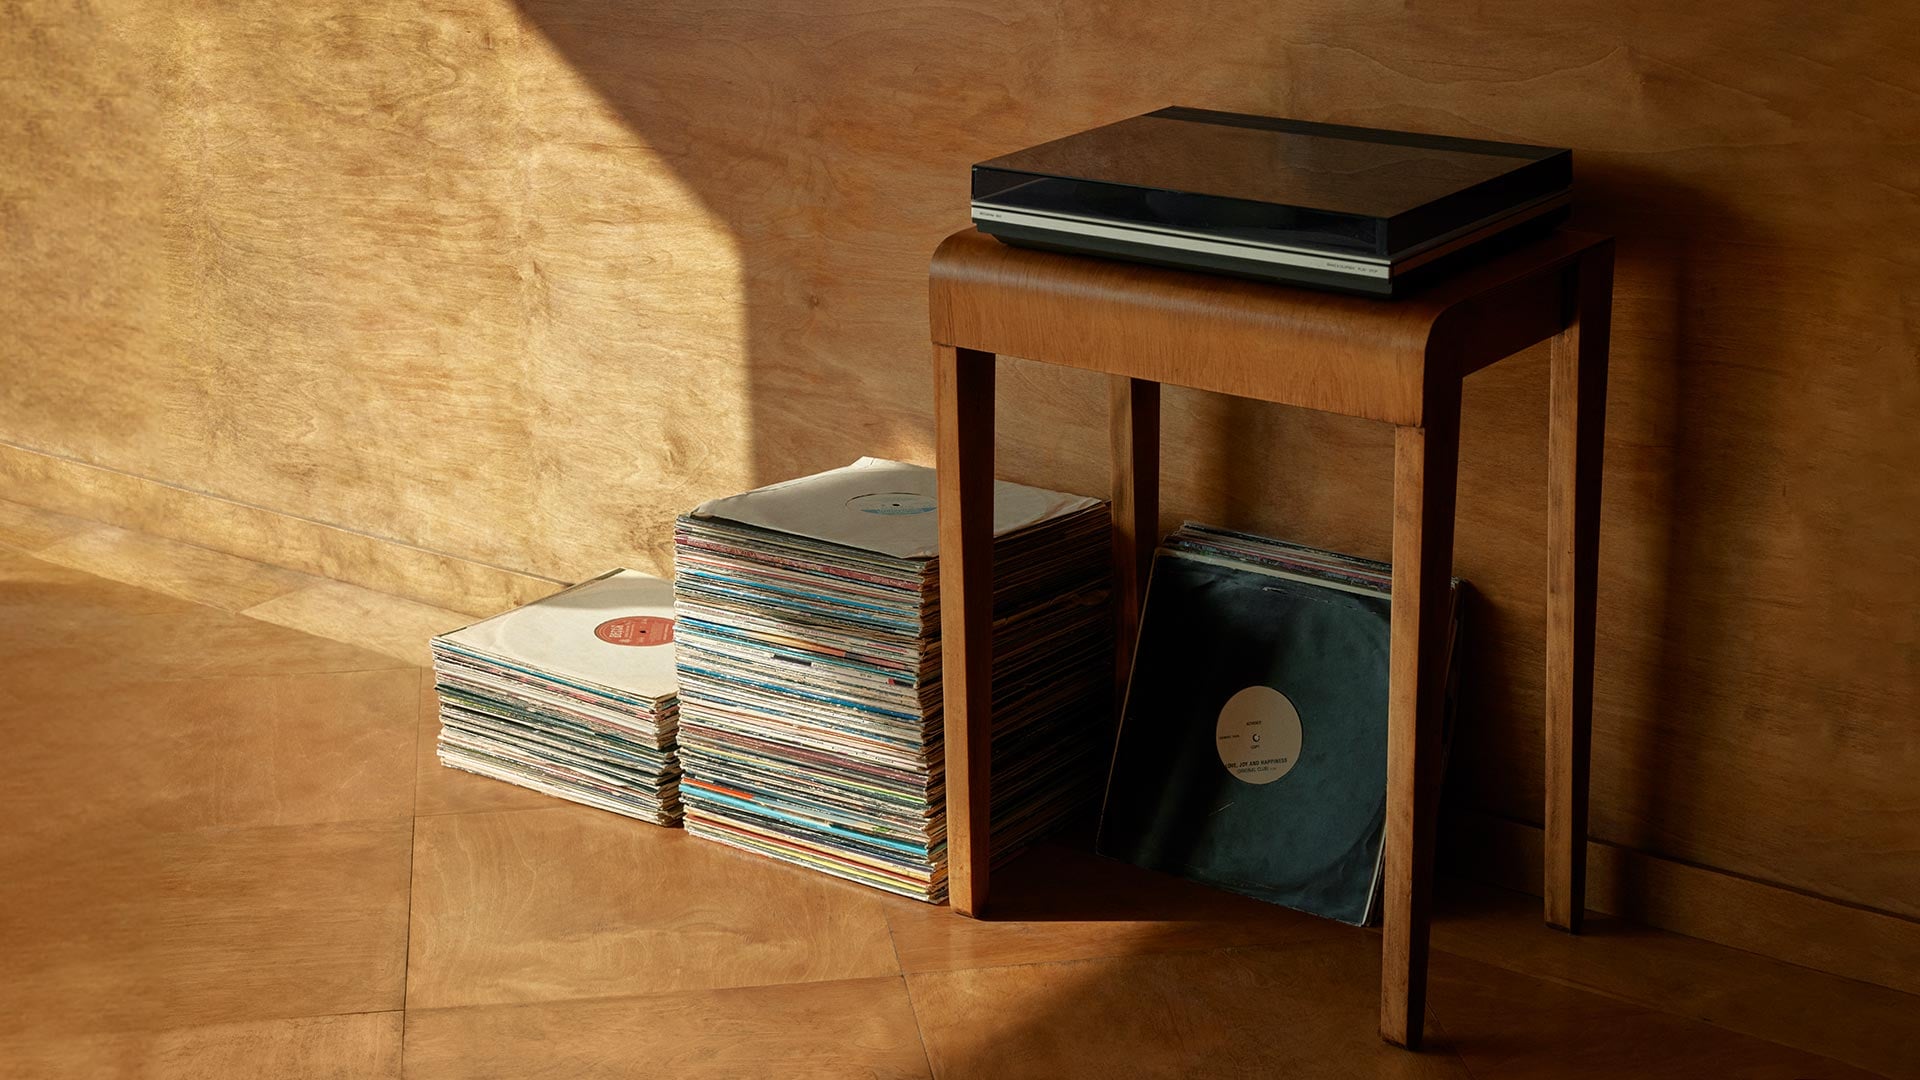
1252	752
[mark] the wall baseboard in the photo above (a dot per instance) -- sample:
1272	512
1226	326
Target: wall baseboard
1698	901
62	484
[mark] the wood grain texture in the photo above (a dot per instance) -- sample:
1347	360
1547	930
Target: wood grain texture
1342	354
1057	903
1866	1026
159	511
359	1046
208	925
1576	437
208	824
963	401
153	935
513	283
1800	928
29	528
858	1029
187	571
390	625
1424	470
1133	439
1354	356
238	750
568	902
55	621
1242	1013
1508	1026
1164	1015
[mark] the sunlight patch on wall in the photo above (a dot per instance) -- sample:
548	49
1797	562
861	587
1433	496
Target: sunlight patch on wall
639	394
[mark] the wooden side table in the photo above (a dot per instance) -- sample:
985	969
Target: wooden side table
1400	362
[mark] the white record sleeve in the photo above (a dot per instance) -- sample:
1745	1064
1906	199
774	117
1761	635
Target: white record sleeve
614	631
885	507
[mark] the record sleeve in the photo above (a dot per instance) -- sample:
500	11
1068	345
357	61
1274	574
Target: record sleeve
613	631
885	507
1252	750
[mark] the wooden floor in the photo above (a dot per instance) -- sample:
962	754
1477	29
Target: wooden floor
229	851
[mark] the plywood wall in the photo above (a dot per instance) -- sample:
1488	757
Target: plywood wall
508	285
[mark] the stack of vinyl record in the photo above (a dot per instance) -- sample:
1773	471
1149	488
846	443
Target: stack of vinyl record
810	670
1253	747
572	695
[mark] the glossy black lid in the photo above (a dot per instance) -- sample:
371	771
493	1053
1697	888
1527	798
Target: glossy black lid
1366	172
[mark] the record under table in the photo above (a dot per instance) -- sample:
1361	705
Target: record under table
1399	362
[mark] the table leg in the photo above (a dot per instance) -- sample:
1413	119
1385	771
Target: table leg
1425	463
1134	430
963	394
1575	433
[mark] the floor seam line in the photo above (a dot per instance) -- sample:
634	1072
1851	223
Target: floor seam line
919	1031
913	1009
413	842
592	998
1438	1027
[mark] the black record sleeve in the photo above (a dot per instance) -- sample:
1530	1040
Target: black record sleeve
1308	838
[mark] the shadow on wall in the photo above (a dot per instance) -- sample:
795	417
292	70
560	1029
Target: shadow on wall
835	149
1683	449
738	103
835	145
1671	597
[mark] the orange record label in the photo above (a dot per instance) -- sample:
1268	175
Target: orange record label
635	630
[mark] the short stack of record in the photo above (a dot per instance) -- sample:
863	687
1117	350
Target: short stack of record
1252	752
810	670
572	695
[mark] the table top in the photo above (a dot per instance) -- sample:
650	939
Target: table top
1352	355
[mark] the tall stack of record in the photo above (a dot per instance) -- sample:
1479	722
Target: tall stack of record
572	695
810	673
1253	745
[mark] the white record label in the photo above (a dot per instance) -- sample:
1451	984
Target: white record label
1258	735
